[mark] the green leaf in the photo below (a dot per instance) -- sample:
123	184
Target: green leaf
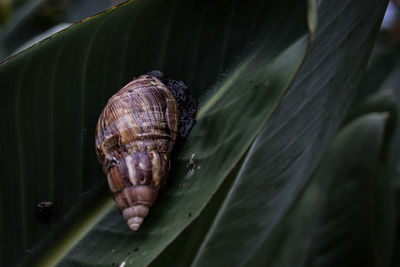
17	30
383	75
345	216
353	224
214	149
238	59
285	153
382	65
34	18
381	101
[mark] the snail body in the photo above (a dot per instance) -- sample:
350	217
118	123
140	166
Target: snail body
135	135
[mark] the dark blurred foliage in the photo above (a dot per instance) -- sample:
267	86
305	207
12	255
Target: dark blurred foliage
22	20
383	74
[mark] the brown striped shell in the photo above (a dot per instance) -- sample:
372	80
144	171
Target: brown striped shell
134	137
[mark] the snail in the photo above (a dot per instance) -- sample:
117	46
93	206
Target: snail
135	135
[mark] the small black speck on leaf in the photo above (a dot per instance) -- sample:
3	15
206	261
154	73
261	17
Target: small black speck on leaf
136	249
44	211
190	214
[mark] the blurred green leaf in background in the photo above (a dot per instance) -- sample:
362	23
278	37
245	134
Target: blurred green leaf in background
294	157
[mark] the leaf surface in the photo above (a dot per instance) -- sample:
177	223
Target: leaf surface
287	150
54	92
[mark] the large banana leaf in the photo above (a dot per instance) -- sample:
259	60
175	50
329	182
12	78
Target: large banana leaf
282	157
238	60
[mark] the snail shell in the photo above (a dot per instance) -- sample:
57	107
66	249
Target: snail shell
135	135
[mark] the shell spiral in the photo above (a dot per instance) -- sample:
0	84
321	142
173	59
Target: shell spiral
135	135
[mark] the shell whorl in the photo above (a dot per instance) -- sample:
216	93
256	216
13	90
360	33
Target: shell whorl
134	216
134	202
135	134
